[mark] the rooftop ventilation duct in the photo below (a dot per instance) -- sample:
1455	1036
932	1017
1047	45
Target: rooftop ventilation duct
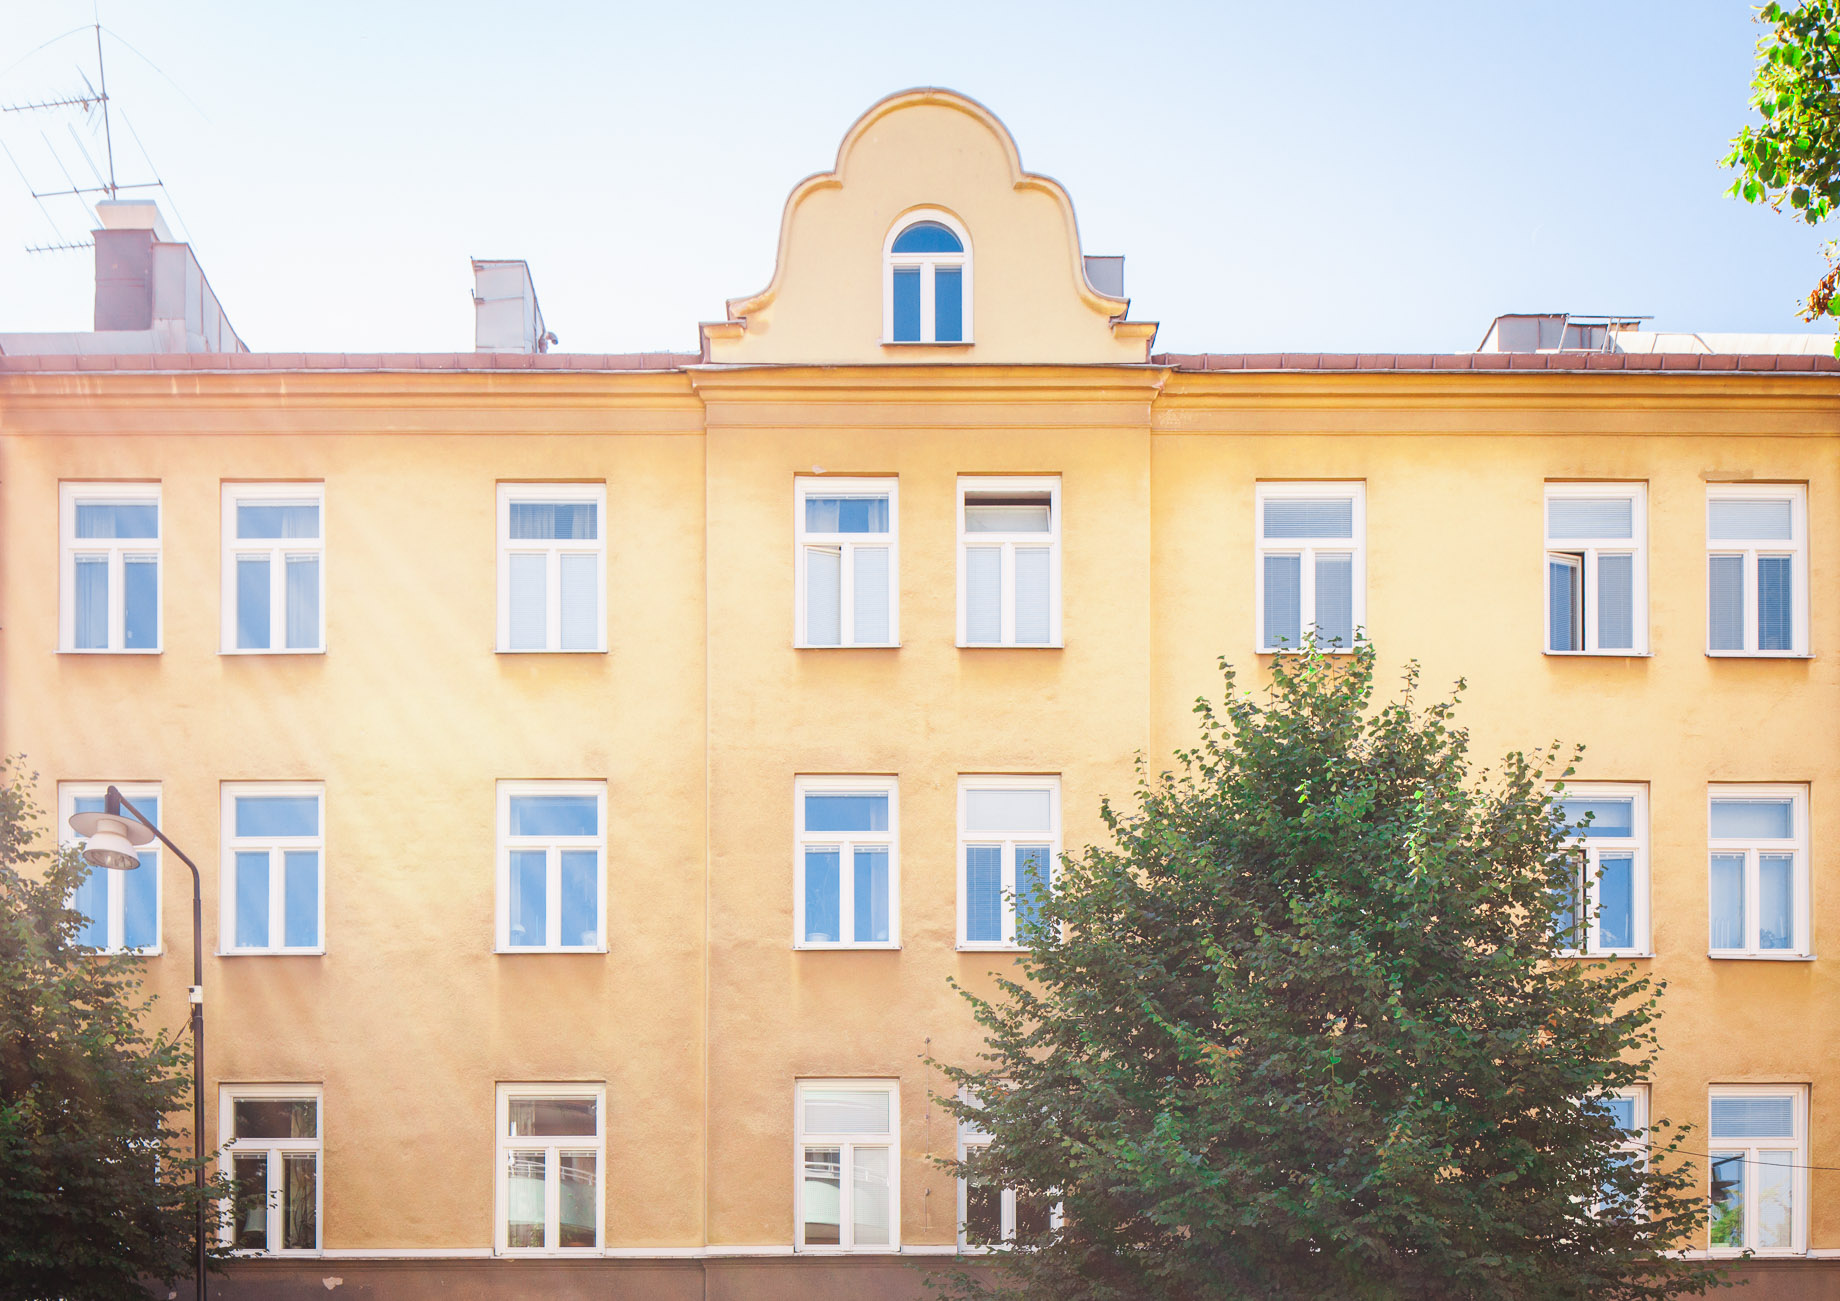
506	317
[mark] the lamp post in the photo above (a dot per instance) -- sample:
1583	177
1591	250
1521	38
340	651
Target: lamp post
112	838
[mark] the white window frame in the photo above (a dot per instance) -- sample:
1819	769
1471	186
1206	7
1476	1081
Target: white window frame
227	1097
279	551
1008	485
1593	847
552	549
1569	550
805	486
847	1143
553	847
970	1136
969	782
1355	490
277	876
68	793
1796	549
552	1183
1750	1147
117	550
926	264
1797	794
1637	1147
847	842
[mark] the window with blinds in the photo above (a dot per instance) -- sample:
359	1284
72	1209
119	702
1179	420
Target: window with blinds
1009	562
1008	845
110	567
1311	575
1596	569
847	581
1606	911
552	567
1756	569
1758	871
274	544
1757	1158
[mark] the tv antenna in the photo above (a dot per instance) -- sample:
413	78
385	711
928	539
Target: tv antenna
92	100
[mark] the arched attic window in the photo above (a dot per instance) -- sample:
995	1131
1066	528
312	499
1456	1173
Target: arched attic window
926	280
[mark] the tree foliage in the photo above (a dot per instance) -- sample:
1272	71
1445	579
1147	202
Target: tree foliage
1298	1031
96	1169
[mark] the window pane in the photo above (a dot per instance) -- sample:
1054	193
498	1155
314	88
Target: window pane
871	886
118	520
1774	1173
1009	810
846	812
140	903
140	616
846	1111
984	893
301	915
580	902
252	602
92	900
1324	517
551	1117
983	594
579	1172
277	815
529	602
276	1118
1727	1212
250	1171
1335	599
907	305
871	596
1755	819
252	900
1616	602
1725	602
869	1196
299	1201
820	1197
581	605
846	514
524	1199
302	602
529	919
555	815
1622	1112
1564	604
277	520
1283	601
1775	905
573	521
948	305
1749	521
1032	596
1031	1218
1768	1116
983	1206
1586	519
1616	897
1727	901
1032	865
1610	818
927	237
824	596
1775	603
1568	910
823	897
1009	516
92	602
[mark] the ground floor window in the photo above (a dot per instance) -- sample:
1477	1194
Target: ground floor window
848	1183
273	1132
552	1140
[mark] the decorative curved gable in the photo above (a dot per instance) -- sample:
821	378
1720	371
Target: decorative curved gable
928	152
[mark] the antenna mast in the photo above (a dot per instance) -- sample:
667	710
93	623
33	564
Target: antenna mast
102	74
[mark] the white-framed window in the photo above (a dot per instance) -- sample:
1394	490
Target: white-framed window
991	1215
552	1145
1758	842
274	897
1312	566
123	908
847	1172
926	279
1009	561
109	567
1612	869
552	866
1758	1157
552	566
1596	569
1009	840
273	579
1756	569
274	1163
1628	1111
848	573
847	867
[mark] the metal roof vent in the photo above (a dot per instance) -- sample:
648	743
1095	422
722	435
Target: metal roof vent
506	315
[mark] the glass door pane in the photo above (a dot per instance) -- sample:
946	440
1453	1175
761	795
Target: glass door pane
524	1198
579	1182
821	1197
870	1209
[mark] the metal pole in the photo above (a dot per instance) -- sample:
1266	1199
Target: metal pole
116	802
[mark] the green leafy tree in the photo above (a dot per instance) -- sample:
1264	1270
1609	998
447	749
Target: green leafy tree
1793	155
1299	1032
96	1191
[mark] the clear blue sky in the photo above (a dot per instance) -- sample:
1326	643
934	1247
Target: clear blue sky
1331	176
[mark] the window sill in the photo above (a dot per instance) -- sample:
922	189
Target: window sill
545	951
847	1251
847	645
560	1253
154	952
1616	955
965	946
925	343
1759	655
284	650
1599	655
272	953
1011	645
1298	650
98	650
894	947
506	650
1728	956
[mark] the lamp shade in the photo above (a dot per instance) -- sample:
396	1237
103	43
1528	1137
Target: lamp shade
111	839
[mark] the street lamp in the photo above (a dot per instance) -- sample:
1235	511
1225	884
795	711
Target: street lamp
112	838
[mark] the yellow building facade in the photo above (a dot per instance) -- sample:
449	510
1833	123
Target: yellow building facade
599	765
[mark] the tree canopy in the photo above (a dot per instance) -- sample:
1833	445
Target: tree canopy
1299	1030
